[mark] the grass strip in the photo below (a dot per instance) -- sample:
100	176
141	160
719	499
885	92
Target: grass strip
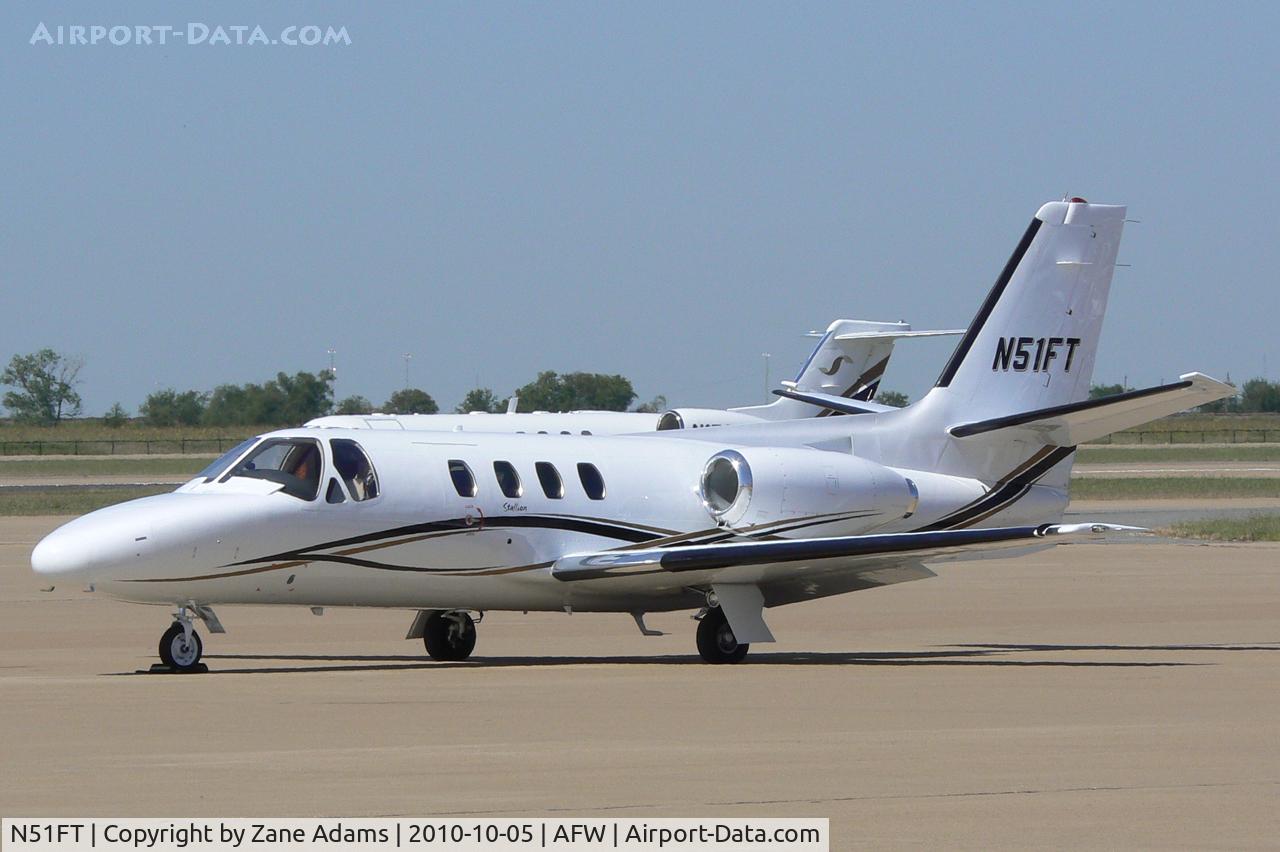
95	430
1168	453
90	465
1258	527
1172	487
69	501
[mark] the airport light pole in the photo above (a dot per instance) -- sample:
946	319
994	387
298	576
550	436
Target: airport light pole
766	356
333	373
408	356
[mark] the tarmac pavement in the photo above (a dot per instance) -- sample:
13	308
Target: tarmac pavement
1086	696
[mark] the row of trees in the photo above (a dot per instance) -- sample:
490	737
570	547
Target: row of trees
304	396
551	391
44	392
284	399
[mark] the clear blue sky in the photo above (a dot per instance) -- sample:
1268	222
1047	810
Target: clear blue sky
662	191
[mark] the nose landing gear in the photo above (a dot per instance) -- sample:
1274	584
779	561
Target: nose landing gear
180	646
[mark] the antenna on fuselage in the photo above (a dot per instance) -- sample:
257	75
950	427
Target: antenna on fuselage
512	403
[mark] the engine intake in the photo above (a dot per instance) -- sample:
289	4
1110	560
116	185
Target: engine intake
702	418
725	482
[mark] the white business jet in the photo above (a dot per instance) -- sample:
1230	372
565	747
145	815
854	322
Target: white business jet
725	521
848	361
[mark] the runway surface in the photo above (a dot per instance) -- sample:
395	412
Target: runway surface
1087	696
1156	514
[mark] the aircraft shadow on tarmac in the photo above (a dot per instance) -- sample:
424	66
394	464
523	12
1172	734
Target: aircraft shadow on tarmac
1224	646
975	655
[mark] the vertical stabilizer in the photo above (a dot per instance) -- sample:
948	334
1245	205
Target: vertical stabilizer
1031	345
1033	342
850	358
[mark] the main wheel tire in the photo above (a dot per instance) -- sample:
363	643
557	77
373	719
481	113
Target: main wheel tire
449	637
176	652
716	642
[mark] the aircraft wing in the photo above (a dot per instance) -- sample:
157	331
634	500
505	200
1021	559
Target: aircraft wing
1077	422
764	562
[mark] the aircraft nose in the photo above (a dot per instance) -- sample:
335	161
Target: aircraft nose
106	538
60	554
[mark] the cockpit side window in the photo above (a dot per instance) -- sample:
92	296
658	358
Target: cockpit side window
354	467
334	494
294	463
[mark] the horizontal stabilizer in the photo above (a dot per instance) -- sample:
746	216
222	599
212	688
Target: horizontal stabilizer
875	329
834	403
777	560
898	335
1077	422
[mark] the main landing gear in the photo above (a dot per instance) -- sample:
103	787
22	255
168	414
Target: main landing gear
449	636
180	646
716	642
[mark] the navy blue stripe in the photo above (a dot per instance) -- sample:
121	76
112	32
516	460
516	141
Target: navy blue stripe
598	528
1006	492
763	553
971	334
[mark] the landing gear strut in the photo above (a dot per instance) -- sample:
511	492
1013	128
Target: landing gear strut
180	646
716	642
449	636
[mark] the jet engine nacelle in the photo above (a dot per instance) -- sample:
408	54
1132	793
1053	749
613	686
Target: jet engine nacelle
702	418
751	486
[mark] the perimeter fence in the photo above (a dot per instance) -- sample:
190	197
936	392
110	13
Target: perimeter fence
121	447
1193	436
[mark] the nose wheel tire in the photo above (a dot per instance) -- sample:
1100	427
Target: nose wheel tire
716	642
179	653
450	637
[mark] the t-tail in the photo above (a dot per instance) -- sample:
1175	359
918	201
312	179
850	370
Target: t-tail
1013	400
847	364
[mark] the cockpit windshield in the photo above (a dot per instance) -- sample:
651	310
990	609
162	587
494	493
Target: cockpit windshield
294	463
220	463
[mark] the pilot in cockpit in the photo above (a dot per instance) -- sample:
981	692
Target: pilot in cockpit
306	465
